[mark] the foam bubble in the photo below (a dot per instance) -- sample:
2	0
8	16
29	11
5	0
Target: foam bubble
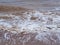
40	25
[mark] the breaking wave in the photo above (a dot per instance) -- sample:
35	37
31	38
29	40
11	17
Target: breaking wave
45	24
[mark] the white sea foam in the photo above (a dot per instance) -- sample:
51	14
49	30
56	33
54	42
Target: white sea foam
6	24
57	8
46	23
31	24
6	36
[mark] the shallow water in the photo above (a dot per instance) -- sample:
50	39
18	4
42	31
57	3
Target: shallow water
33	4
